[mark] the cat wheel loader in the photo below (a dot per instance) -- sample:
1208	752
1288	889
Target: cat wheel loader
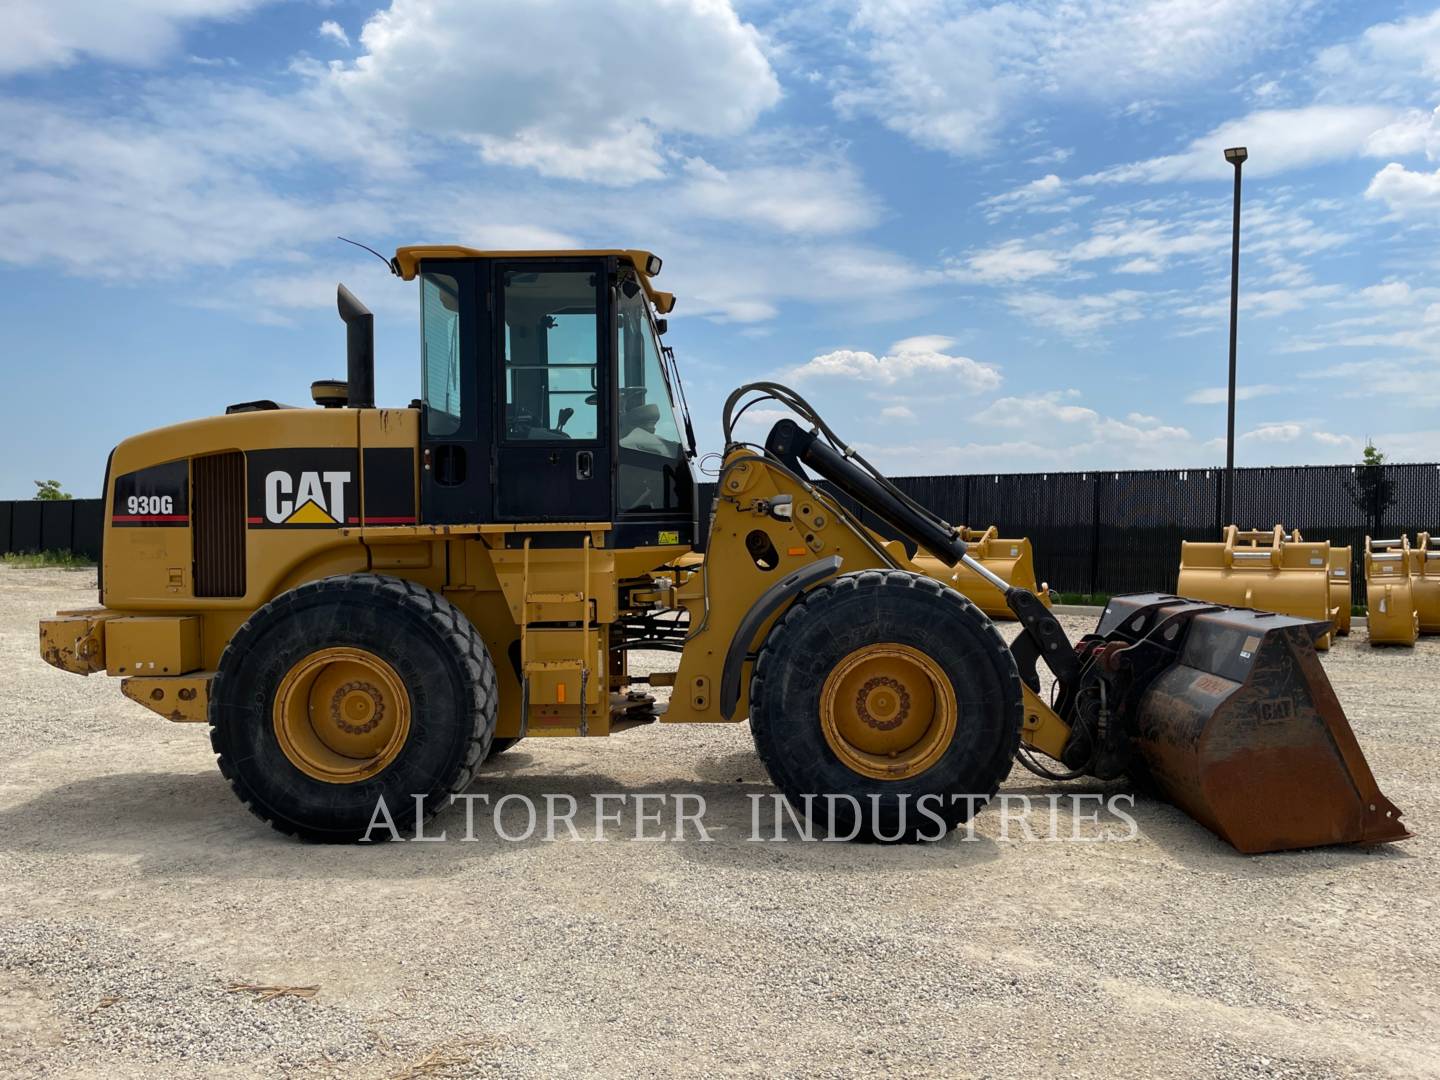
365	603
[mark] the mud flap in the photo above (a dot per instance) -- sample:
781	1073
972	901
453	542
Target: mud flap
1245	734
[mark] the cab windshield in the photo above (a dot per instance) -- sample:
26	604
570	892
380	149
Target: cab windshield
649	434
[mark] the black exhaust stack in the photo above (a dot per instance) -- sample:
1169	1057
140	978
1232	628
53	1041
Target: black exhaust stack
359	349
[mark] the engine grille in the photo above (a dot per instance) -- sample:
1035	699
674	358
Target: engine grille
217	513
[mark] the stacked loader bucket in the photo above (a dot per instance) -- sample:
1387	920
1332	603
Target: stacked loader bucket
1013	560
1402	589
1268	571
1425	582
1340	595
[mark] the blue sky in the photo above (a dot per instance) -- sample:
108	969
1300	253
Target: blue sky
980	237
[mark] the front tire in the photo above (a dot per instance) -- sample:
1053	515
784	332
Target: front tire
346	691
892	694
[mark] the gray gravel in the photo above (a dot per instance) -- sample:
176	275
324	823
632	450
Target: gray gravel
134	889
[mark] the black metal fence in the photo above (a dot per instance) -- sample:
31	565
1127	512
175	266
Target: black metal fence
73	525
1115	532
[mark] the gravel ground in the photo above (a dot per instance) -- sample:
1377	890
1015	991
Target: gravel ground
134	890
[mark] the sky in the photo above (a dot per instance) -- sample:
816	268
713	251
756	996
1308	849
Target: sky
979	237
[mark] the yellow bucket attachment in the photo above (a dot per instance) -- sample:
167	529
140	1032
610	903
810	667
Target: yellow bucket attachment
1392	610
1267	571
1013	560
1425	581
1340	595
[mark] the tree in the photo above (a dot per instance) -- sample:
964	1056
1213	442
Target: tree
50	491
1371	492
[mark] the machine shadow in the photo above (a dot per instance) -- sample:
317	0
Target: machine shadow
189	825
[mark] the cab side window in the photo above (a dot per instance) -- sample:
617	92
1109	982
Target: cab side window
551	341
440	353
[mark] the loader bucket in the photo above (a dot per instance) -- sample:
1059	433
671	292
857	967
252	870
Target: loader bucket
1272	571
1425	582
1390	609
1013	560
1340	595
1243	732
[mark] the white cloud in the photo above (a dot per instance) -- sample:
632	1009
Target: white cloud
897	412
1263	303
120	198
817	198
1386	60
571	89
1329	438
1274	433
38	34
1279	140
1032	409
1077	435
1388	294
904	360
1048	195
1012	261
1079	317
1219	395
335	32
1415	131
1058	156
951	75
1405	191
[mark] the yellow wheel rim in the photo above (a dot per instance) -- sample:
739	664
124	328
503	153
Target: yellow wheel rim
888	711
341	715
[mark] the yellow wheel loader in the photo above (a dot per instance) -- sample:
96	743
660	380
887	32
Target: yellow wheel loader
364	603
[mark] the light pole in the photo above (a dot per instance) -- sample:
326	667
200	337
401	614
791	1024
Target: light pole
1236	155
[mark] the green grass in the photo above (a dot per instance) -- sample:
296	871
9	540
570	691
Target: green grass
1098	600
35	559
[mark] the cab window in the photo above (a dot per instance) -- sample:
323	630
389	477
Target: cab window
650	447
551	342
440	353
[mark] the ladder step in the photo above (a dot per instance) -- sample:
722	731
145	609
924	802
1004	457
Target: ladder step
554	597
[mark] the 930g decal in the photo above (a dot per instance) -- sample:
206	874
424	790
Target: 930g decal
155	496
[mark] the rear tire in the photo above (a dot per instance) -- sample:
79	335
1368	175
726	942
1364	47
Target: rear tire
892	690
346	691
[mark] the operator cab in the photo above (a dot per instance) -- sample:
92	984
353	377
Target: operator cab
546	395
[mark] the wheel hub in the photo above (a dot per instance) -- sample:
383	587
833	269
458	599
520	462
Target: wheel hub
341	715
888	711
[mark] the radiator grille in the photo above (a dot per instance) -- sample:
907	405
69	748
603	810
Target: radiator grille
218	515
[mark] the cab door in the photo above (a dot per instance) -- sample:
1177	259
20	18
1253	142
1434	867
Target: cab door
553	390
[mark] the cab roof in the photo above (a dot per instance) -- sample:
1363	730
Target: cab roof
407	263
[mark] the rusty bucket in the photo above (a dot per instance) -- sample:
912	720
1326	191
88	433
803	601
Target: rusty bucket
1245	734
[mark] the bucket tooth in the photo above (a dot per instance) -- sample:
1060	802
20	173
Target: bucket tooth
1244	732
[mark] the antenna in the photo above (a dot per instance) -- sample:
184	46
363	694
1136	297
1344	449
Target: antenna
389	263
